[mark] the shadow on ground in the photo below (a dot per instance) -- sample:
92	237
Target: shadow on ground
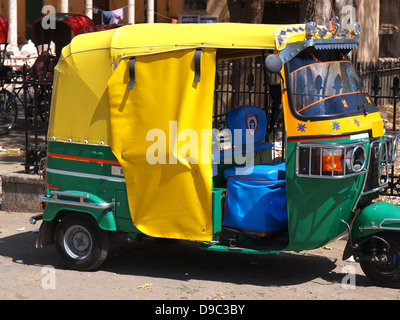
184	261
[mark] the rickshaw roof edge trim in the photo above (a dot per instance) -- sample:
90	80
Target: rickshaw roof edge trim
145	39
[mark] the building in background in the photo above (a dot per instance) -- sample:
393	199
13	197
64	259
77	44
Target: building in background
22	13
380	19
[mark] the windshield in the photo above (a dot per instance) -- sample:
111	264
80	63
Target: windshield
324	83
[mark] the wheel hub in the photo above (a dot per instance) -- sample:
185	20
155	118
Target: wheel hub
81	241
77	242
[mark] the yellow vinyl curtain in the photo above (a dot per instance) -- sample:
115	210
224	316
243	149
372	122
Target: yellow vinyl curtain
79	110
157	135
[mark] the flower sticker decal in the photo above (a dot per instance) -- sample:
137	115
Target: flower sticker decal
301	127
335	125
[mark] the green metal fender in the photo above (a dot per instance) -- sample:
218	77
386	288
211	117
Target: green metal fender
79	202
105	219
377	217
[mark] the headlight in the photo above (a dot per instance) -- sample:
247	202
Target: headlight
330	160
355	159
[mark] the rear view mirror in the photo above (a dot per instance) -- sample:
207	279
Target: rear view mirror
273	63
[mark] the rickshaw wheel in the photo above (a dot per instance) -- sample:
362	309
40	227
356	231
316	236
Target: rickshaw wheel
384	268
80	243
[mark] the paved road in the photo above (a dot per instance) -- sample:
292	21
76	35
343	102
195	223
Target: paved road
149	270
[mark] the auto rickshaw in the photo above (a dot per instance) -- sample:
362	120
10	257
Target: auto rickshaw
64	28
132	151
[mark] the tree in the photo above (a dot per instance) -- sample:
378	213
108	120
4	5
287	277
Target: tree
319	10
366	12
246	11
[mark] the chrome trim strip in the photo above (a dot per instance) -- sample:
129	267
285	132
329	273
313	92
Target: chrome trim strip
81	203
363	192
85	175
81	196
380	227
384	163
333	146
332	177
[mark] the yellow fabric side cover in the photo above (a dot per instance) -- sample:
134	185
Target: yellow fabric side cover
80	104
157	135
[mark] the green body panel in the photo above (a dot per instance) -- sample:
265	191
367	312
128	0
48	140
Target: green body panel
316	206
233	249
87	169
373	215
93	152
218	197
122	213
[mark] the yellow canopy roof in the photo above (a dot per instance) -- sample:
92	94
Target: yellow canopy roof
88	62
143	39
146	39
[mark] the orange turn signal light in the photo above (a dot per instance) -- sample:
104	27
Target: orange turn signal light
330	163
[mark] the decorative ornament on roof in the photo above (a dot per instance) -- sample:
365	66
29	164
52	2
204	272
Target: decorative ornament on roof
310	30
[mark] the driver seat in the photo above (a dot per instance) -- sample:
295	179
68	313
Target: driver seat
252	121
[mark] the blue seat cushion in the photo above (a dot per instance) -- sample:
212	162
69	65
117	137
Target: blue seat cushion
256	198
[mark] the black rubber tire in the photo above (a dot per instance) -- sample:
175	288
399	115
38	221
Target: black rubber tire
80	243
385	274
